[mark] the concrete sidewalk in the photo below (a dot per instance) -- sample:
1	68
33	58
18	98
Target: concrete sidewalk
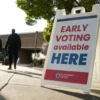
24	84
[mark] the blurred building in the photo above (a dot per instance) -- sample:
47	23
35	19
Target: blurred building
31	43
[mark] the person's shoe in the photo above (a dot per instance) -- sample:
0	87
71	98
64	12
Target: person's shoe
9	68
14	67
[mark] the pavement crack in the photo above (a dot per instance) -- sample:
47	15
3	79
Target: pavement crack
6	83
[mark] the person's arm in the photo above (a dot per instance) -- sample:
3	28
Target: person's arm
19	42
0	45
6	46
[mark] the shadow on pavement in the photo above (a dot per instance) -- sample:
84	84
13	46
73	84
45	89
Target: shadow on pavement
2	98
33	73
78	95
95	91
25	73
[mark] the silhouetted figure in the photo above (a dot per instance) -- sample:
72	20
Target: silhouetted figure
0	45
12	47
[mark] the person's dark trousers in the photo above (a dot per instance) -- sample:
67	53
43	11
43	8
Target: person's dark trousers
12	55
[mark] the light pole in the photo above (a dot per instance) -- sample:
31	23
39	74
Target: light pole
35	46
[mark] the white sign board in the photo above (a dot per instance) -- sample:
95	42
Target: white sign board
71	53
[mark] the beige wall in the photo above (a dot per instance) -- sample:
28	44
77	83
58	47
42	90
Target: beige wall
27	39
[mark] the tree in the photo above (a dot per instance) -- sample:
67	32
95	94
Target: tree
37	9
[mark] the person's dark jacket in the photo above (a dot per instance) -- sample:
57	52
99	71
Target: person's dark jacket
0	45
13	43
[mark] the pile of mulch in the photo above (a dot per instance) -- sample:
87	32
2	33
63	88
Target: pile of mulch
36	67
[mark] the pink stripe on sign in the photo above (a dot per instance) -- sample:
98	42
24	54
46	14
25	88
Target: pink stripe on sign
66	76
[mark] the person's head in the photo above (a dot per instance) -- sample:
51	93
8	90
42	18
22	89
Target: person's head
13	31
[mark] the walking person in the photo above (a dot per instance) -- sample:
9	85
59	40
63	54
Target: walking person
12	47
0	45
